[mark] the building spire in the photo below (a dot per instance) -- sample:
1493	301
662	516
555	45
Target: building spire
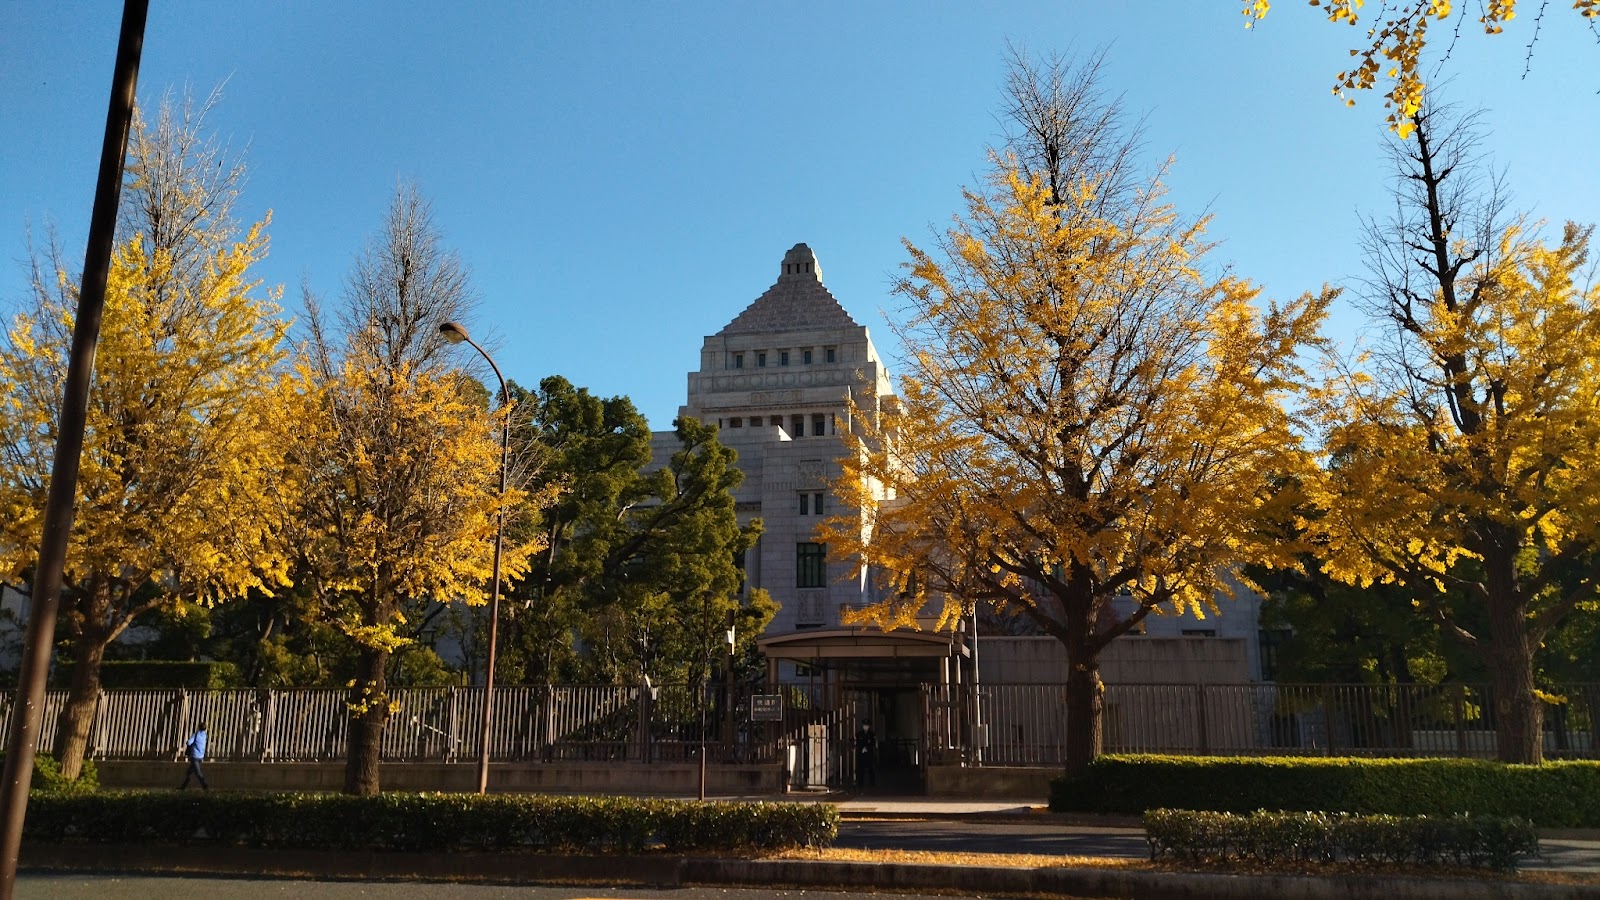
800	262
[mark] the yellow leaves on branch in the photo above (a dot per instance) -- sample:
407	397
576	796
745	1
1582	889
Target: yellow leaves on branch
402	486
182	444
1085	412
1396	46
1409	488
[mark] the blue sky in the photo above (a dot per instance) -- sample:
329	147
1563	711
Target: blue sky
623	179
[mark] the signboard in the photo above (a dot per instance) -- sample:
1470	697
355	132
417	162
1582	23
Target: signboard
766	708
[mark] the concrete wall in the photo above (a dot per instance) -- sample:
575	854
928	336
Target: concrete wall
1133	659
564	778
992	782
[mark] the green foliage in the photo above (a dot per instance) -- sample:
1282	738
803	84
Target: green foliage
47	776
1556	794
640	568
419	666
592	448
161	674
1342	634
1272	838
415	822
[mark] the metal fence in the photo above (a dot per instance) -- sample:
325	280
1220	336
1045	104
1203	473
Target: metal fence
1024	724
998	724
586	722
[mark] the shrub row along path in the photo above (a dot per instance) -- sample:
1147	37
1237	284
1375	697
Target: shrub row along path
964	827
137	887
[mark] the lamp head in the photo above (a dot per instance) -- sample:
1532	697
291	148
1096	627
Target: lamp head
453	332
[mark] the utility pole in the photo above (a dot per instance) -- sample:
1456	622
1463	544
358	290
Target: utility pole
28	708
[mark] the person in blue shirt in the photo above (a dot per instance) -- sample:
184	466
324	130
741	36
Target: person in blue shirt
195	750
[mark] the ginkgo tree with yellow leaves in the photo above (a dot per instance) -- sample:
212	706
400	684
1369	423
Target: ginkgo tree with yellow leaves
1088	413
1464	453
397	464
182	440
1397	35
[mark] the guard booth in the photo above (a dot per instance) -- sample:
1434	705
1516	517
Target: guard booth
858	713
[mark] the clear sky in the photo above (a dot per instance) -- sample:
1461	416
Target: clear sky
623	178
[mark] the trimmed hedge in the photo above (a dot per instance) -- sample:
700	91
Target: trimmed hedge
1556	794
1273	838
415	822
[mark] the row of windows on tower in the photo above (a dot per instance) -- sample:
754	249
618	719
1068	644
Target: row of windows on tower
821	424
807	355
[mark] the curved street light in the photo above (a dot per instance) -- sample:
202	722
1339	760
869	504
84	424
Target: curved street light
456	334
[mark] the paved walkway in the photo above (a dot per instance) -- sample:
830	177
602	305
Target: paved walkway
975	826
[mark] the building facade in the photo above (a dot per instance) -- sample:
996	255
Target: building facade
778	381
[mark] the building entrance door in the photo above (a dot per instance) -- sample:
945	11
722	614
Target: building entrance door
887	749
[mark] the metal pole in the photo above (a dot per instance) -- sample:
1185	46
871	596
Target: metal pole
494	604
978	736
28	707
494	596
705	691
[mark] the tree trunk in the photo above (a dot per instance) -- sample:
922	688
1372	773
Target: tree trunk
1085	703
369	712
77	717
1518	711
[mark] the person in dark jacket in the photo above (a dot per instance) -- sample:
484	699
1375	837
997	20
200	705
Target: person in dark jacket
866	756
195	750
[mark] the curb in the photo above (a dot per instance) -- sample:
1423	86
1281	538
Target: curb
675	871
1062	820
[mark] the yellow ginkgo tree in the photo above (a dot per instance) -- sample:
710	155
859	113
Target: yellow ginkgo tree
1088	414
1397	34
182	444
398	464
1464	455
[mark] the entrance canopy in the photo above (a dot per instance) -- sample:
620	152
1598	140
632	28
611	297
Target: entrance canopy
856	643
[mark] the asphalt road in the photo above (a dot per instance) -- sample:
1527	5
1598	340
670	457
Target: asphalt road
84	887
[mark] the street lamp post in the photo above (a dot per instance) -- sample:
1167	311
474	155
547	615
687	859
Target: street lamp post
705	700
456	334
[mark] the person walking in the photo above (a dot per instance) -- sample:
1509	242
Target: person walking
195	750
866	751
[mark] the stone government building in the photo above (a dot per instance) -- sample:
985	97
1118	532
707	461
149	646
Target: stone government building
777	380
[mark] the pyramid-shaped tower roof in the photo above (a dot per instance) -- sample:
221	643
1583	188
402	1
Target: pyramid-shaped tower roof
798	302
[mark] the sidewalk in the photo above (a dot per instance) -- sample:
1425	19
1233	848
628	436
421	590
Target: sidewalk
998	826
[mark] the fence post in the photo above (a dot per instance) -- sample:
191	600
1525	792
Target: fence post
181	722
1200	719
643	735
549	721
97	727
1328	694
269	725
1461	720
453	736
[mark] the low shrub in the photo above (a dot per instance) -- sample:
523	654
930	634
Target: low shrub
416	822
1274	838
1555	795
47	776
